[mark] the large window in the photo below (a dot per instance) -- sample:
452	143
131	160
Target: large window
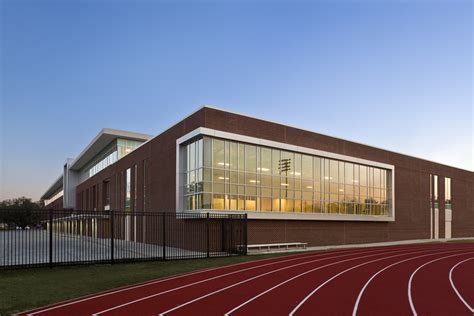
447	193
434	190
113	152
228	175
128	189
109	159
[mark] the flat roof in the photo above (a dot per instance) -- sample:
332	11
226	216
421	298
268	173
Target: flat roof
104	138
54	188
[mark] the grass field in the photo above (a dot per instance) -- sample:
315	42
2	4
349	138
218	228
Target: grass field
28	288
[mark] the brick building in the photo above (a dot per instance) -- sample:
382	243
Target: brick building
294	185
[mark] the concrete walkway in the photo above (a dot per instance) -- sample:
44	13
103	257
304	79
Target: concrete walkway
349	246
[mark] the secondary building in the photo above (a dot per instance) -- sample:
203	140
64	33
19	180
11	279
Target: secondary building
293	184
106	148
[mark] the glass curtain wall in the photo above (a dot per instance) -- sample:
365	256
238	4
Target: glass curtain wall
114	151
229	175
128	189
125	146
447	193
434	190
110	158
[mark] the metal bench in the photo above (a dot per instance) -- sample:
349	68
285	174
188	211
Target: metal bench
286	245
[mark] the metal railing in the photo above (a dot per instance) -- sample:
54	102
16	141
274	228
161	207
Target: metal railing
60	237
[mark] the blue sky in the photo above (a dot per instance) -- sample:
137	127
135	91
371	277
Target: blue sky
392	74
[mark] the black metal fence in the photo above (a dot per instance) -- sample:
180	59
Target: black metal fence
60	237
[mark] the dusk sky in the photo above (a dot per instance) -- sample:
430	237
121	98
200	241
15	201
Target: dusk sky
396	75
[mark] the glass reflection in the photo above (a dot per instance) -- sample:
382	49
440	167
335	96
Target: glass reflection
228	175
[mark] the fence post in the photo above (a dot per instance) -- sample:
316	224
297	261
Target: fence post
112	233
50	238
245	234
164	235
231	243
207	229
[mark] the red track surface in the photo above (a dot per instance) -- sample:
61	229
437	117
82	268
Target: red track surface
430	279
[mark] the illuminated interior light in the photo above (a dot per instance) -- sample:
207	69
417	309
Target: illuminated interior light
309	187
222	178
285	184
341	190
254	181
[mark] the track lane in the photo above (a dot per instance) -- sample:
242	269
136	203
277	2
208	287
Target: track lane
220	300
218	290
367	284
275	301
329	299
434	274
160	302
350	280
388	291
220	304
101	301
140	286
461	278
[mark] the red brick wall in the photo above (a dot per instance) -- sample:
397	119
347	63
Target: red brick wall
56	204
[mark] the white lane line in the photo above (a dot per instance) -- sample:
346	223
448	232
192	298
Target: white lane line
261	275
226	274
289	280
410	281
361	293
127	288
334	277
454	287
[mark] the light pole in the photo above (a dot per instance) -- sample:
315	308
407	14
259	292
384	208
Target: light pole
284	165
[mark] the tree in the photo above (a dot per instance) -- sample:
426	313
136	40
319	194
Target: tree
21	203
19	212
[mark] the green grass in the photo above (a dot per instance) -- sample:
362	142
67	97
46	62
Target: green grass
25	289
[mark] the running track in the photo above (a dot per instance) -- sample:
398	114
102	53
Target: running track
428	279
